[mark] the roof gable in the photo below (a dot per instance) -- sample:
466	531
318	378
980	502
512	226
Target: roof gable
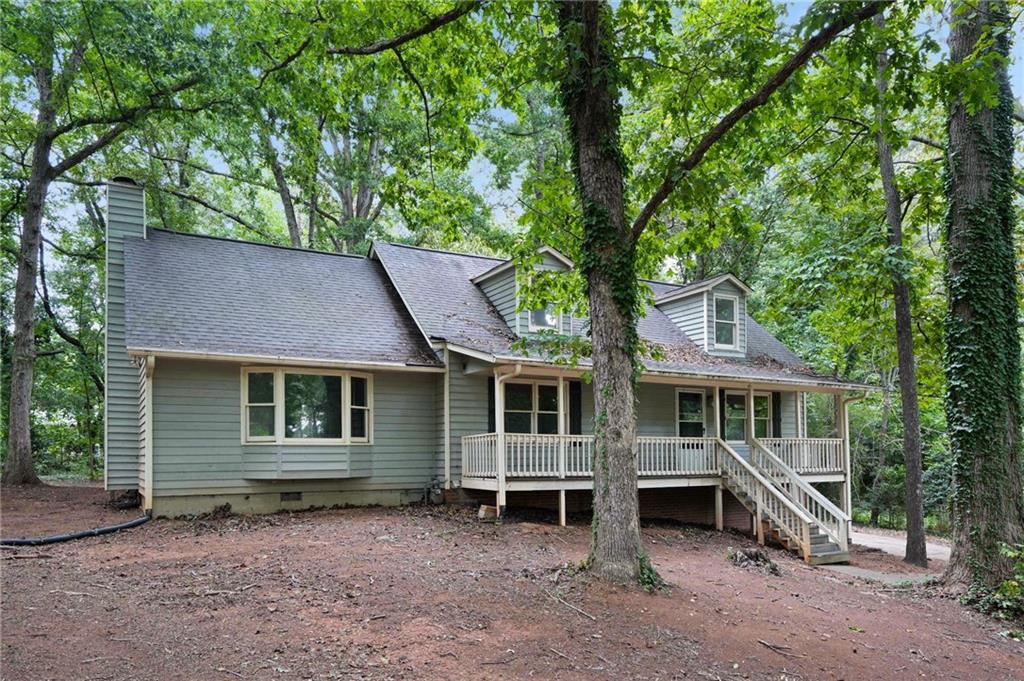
693	288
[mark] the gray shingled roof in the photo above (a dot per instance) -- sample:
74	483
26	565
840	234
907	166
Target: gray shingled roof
448	306
190	293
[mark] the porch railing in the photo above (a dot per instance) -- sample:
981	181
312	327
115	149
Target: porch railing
572	456
765	499
478	455
676	456
829	517
807	455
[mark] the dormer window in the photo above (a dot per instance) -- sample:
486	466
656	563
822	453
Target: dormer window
543	319
726	322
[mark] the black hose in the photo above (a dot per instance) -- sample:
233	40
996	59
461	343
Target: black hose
94	532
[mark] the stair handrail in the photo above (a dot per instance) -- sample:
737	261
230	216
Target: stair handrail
801	535
840	520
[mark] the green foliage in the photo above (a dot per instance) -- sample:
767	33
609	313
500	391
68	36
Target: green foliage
1005	601
648	577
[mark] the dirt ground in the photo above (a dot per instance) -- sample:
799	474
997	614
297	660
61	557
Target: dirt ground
429	592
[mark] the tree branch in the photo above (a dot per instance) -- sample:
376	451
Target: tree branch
284	63
130	114
429	26
88	255
426	111
928	142
220	211
68	337
817	42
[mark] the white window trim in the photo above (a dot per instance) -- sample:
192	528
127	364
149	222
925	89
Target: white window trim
735	321
246	404
535	327
279	437
770	418
535	402
703	410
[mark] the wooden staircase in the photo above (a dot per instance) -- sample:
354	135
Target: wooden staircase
787	509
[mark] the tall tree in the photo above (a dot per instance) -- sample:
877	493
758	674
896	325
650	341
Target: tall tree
588	62
89	72
915	550
982	327
590	99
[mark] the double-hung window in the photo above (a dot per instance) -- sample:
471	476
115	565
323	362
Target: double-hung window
726	322
259	406
762	416
543	319
293	406
531	408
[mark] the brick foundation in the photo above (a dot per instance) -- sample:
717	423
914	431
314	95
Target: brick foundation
694	505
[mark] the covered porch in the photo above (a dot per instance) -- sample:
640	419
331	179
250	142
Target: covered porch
540	435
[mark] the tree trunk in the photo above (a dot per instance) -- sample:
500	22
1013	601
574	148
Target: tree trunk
19	467
915	551
982	337
590	103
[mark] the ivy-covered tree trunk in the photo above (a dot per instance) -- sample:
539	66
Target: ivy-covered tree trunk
915	551
590	100
982	335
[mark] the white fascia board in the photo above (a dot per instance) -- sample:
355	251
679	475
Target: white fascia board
282	360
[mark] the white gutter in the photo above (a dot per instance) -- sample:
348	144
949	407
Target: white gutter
281	359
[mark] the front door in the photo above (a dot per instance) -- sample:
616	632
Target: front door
735	417
690	413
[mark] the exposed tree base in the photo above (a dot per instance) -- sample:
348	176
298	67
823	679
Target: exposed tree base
18	475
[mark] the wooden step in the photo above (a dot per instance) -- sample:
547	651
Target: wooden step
828	558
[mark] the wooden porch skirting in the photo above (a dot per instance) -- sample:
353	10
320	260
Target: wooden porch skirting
695	505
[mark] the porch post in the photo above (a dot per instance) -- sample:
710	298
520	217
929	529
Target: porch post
561	447
499	427
717	406
847	495
719	515
750	415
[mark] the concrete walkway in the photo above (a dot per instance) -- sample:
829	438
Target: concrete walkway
887	578
896	544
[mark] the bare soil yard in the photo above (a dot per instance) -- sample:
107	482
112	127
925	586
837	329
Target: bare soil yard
428	592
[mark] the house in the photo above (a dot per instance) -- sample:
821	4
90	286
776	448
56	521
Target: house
277	378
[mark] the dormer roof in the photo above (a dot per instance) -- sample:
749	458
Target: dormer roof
693	288
511	263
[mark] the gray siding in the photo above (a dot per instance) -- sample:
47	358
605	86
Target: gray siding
688	315
501	291
125	219
197	446
728	288
656	409
468	403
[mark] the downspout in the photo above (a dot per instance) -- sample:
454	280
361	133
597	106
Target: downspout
447	423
